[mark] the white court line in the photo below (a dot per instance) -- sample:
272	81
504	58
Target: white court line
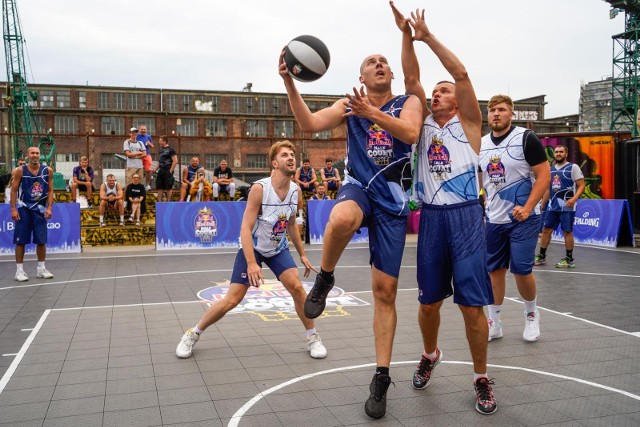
235	419
23	350
9	354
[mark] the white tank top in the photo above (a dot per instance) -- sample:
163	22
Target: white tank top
108	190
507	177
446	167
270	230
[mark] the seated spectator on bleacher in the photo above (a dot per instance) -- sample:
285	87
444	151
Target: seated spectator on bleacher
306	178
223	181
200	188
111	196
330	176
321	193
82	180
188	175
135	195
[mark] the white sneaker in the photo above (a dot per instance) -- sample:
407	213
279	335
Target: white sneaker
185	348
495	330
315	347
43	273
21	276
147	188
531	326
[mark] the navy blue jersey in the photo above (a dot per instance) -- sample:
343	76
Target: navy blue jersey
34	189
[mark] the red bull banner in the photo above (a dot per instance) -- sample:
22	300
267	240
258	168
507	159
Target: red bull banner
595	154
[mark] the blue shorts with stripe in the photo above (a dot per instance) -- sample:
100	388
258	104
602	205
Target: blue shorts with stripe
278	264
387	233
451	247
513	245
31	222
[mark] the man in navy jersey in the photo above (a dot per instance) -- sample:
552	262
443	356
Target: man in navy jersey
566	187
306	178
381	128
31	206
188	175
451	245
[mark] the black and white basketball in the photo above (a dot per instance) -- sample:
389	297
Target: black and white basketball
307	58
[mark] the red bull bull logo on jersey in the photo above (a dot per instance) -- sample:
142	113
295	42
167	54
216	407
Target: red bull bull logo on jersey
279	229
556	184
496	171
205	225
36	191
439	159
379	145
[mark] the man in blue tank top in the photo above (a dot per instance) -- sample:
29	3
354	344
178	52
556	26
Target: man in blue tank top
566	187
188	175
381	128
306	178
451	245
31	206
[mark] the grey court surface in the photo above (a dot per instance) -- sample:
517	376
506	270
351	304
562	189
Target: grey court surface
95	346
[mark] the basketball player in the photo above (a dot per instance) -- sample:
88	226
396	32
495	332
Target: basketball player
451	242
510	158
381	129
567	185
270	214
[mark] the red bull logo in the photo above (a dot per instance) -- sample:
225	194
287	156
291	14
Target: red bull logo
496	171
439	159
37	191
279	229
205	225
379	145
556	184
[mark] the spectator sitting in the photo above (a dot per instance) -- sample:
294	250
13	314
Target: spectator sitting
223	181
201	188
330	176
135	195
111	199
306	178
82	180
188	175
321	193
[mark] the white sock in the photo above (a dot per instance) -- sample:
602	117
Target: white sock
19	267
530	306
494	313
431	356
197	330
101	218
477	376
310	332
121	218
40	264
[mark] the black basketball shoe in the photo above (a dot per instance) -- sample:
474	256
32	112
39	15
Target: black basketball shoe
376	404
317	298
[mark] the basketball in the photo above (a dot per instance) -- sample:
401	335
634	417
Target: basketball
307	58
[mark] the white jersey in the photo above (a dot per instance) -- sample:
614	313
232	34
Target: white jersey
507	177
446	166
111	191
270	230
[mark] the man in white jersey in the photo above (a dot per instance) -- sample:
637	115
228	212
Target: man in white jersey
451	243
559	204
270	214
515	175
381	129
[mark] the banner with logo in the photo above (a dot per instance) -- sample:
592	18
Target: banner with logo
601	223
198	225
317	218
63	234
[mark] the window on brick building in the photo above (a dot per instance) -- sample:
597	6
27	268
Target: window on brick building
150	122
63	98
46	98
236	104
189	127
257	161
187	103
283	129
250	106
213	160
133	101
216	127
103	100
325	134
171	102
110	161
149	101
66	124
82	99
67	157
40	123
112	125
256	128
118	101
263	105
185	158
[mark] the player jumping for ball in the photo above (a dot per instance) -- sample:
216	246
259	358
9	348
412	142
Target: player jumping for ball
270	214
381	129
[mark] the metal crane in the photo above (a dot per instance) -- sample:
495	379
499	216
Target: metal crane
23	127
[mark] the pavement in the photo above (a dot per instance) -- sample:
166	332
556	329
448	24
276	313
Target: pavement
96	346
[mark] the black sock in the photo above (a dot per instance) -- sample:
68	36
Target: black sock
543	252
326	275
382	370
570	254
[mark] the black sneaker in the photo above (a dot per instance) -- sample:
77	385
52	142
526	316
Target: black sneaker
317	298
422	374
485	401
376	404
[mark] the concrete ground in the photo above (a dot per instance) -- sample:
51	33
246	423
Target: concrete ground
96	346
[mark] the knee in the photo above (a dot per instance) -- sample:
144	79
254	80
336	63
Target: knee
386	296
345	223
472	315
429	310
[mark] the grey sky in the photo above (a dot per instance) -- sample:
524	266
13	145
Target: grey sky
523	48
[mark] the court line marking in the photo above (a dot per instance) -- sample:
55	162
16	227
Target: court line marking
235	419
23	350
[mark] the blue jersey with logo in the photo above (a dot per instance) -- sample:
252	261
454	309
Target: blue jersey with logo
145	139
379	163
191	172
306	176
34	189
563	186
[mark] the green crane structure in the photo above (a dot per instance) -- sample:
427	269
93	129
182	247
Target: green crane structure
626	64
23	127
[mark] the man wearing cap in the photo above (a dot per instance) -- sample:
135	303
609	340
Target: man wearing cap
135	152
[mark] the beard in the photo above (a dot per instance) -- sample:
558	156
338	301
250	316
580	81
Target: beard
499	127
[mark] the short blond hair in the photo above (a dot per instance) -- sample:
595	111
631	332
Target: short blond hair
279	145
499	99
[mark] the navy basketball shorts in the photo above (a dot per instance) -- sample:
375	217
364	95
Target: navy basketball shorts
564	218
278	264
30	223
452	258
387	233
513	245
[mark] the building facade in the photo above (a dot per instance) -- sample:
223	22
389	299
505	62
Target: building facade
595	106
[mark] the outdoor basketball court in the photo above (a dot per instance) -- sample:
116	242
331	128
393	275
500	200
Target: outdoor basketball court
96	346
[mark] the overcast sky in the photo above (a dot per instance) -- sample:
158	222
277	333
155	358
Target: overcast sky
523	48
